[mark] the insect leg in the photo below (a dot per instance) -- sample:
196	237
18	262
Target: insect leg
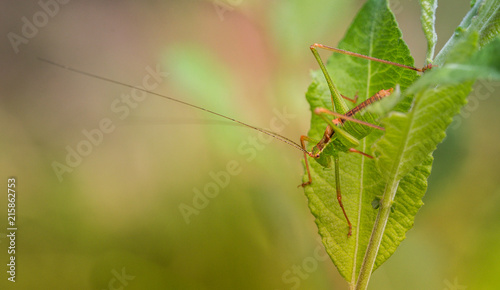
339	194
304	138
320	111
360	152
427	67
352	140
337	103
353	100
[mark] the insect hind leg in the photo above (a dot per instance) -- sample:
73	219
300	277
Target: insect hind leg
339	194
320	111
354	100
304	138
353	150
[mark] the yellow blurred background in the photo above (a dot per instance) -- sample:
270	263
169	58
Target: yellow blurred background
128	214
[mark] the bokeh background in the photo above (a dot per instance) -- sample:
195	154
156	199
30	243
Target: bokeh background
118	211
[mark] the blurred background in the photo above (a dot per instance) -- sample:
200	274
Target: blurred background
129	212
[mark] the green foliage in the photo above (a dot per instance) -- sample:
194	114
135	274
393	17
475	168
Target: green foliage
428	19
374	32
464	65
483	18
382	196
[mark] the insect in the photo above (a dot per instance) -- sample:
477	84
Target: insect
341	137
344	140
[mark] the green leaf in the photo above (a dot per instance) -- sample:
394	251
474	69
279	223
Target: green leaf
428	20
382	196
406	148
461	66
483	18
401	148
487	21
374	32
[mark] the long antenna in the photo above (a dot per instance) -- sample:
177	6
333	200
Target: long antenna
272	134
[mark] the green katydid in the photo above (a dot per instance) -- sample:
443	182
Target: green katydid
347	138
343	138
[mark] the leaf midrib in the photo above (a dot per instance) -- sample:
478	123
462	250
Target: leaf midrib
399	156
360	207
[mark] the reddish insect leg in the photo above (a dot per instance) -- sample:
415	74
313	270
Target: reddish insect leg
344	117
339	194
353	100
337	179
360	152
303	144
427	67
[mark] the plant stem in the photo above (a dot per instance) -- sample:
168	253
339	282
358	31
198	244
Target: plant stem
377	234
464	25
